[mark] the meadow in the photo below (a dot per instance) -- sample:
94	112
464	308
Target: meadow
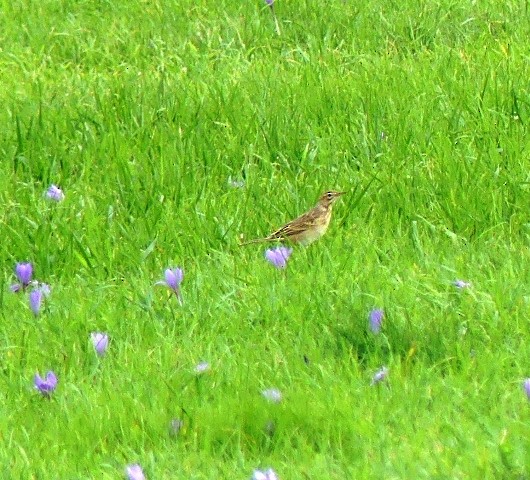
177	129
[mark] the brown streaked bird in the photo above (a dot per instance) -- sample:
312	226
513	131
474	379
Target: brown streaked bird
308	227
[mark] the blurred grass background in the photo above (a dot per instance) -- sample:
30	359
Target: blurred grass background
144	113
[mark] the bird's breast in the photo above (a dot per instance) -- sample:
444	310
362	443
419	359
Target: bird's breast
317	229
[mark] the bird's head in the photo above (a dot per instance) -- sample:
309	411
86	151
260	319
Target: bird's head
329	198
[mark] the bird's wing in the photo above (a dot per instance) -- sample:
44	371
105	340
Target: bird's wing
294	227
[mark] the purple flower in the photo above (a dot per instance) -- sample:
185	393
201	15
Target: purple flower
272	395
461	284
100	342
173	278
526	386
35	300
269	2
375	320
268	474
46	386
24	273
380	375
134	472
202	367
55	193
278	256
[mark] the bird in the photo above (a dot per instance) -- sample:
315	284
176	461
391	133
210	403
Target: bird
309	226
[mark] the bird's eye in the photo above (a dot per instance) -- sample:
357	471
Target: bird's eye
330	195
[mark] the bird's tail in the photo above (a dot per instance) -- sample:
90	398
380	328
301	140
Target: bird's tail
270	238
256	240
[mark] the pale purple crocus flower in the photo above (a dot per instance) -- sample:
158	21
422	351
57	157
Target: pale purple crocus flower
202	367
100	342
134	472
278	256
173	278
24	273
55	193
526	387
269	2
375	320
268	474
46	385
380	375
273	395
461	284
35	300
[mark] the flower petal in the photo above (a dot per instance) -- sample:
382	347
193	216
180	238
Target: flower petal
35	301
202	367
24	272
51	380
45	386
278	256
134	472
55	193
100	342
174	277
380	375
376	319
461	284
272	395
526	387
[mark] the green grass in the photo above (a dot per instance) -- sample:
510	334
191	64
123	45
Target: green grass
142	112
